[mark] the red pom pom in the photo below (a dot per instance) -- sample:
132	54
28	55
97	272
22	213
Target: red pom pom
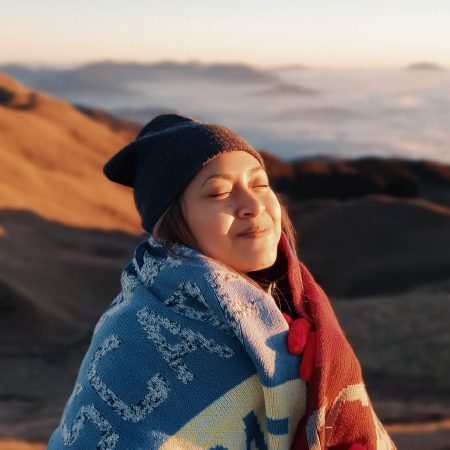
357	447
309	357
298	335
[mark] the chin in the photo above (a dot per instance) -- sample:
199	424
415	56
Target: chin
260	264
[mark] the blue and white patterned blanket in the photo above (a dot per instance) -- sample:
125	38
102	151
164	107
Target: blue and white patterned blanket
188	355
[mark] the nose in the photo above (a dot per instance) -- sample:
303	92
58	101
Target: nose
250	204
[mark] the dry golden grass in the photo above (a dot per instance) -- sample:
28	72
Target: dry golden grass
51	159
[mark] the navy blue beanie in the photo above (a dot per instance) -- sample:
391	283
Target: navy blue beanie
165	155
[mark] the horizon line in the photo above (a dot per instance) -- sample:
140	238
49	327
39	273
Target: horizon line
275	66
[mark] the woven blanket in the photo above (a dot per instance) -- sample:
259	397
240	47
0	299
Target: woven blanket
190	355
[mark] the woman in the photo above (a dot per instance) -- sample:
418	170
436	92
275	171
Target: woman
220	337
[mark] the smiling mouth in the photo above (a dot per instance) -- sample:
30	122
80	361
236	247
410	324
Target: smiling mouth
255	234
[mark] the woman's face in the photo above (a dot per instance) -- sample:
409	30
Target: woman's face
227	197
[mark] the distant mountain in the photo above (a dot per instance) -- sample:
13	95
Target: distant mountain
425	66
175	71
113	77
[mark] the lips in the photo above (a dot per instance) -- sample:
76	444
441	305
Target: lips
254	232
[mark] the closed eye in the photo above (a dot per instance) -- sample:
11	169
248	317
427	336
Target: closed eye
218	195
225	193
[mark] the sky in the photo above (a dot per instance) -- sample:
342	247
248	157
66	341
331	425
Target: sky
321	33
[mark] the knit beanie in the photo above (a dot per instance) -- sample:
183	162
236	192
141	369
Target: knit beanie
165	155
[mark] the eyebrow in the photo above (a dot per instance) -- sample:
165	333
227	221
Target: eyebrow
229	177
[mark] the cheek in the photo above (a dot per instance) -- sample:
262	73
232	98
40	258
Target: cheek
279	213
275	210
206	221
